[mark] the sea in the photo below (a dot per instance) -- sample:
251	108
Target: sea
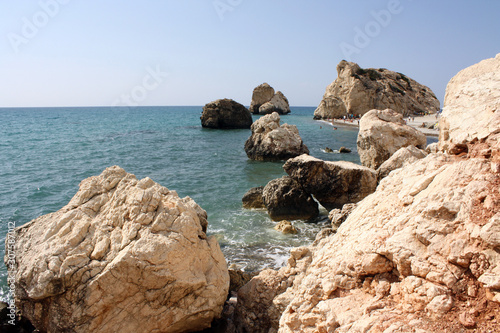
46	152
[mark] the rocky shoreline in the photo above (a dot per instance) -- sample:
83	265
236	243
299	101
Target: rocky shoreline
415	251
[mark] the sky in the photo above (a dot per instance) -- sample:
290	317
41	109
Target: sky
191	52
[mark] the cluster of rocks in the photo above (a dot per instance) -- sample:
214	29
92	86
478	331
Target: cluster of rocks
229	114
420	254
266	101
309	181
357	91
385	143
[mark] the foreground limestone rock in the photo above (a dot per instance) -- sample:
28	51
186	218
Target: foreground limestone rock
382	133
271	142
333	184
477	89
225	114
266	101
421	254
357	91
285	199
124	255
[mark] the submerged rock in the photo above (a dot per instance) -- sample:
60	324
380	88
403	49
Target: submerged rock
286	227
285	199
124	255
344	150
357	91
271	142
266	101
333	184
225	114
382	133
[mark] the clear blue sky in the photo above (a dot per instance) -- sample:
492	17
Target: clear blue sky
190	52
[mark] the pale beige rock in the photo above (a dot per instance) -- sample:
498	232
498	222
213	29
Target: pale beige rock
286	227
423	244
272	141
261	94
279	103
382	133
124	255
266	101
400	158
357	90
471	105
490	233
410	243
337	216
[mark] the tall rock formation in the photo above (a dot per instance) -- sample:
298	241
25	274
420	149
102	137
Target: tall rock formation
271	141
382	133
225	114
124	255
421	254
266	101
357	91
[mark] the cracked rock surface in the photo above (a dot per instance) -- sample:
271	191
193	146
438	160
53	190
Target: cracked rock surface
124	255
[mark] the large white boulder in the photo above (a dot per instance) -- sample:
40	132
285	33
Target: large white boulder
124	255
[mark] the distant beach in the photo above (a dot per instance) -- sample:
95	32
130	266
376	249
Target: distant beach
415	122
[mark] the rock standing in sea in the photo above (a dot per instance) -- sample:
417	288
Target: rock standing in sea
225	114
124	255
271	142
333	184
266	101
357	91
285	199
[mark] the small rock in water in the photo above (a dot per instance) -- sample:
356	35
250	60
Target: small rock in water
328	150
286	227
344	150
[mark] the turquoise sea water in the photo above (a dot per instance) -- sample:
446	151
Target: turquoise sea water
46	152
